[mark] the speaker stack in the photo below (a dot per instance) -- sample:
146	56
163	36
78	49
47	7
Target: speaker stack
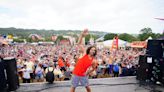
155	48
144	67
162	69
3	84
11	74
157	70
151	65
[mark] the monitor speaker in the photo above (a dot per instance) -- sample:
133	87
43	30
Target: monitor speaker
3	85
155	48
11	72
145	67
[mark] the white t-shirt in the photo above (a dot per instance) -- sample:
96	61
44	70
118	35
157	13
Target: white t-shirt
26	73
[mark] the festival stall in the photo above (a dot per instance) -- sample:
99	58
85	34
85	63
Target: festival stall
139	44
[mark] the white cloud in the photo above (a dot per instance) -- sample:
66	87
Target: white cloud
118	16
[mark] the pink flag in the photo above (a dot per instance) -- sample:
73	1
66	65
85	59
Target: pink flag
160	18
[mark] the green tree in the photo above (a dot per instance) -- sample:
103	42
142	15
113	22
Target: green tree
127	37
60	37
109	36
29	39
18	40
87	38
47	39
145	33
146	30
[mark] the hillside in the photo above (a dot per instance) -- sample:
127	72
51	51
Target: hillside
45	33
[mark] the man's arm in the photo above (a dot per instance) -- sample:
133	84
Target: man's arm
80	45
93	67
83	34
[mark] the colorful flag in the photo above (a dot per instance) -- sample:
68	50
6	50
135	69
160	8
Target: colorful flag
115	43
160	18
10	36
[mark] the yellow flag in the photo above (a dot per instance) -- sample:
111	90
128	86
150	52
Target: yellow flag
10	36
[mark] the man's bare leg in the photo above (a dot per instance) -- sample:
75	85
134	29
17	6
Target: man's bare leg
88	89
72	89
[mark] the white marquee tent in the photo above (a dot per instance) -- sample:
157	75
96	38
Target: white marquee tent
108	43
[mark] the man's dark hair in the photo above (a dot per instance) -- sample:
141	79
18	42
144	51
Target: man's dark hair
89	48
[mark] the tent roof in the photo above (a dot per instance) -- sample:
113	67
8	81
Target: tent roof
100	39
120	42
149	38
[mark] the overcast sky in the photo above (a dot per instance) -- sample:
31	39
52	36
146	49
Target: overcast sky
116	16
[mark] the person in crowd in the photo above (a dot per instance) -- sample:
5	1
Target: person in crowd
26	74
50	78
58	74
116	69
30	65
39	73
19	68
61	64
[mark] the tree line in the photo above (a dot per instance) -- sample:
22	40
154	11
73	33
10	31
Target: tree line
24	34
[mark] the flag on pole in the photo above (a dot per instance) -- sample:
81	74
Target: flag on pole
10	36
160	18
115	43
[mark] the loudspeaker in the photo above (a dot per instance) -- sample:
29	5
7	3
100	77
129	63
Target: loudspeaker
11	72
161	63
144	68
156	71
155	48
3	85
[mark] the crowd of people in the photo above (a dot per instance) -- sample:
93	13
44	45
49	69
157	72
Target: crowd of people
33	60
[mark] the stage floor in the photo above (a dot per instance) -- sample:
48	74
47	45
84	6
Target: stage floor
119	84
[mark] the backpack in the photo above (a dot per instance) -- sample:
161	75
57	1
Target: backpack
116	68
50	76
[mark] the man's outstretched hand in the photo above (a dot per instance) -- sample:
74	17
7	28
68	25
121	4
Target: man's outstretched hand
85	32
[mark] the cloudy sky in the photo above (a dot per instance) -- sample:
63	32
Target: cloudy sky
117	16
